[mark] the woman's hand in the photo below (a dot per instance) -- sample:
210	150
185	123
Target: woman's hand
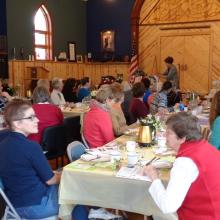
151	172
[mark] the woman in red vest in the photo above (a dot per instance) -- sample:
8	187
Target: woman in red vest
194	186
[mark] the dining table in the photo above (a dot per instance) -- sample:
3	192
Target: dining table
96	182
75	111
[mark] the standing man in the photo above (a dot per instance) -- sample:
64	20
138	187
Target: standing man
171	73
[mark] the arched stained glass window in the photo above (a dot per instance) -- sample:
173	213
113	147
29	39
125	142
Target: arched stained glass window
42	34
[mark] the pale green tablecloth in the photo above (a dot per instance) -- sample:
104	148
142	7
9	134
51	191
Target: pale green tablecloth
89	184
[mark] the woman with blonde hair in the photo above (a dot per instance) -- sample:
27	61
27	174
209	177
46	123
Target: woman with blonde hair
214	120
117	115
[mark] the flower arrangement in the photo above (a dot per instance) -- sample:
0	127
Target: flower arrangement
151	120
93	93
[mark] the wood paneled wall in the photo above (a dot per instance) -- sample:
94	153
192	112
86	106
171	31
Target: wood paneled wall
64	70
187	30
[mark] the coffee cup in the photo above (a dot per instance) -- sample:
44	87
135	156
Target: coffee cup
132	158
115	155
78	104
130	146
161	142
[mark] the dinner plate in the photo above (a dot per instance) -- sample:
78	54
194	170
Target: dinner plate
162	164
95	158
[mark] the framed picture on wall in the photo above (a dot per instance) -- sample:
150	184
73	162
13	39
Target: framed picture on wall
108	41
72	51
79	58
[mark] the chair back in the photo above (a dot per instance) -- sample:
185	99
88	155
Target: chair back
75	150
84	141
206	132
72	126
54	141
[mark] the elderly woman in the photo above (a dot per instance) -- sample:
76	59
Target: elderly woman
30	183
44	82
97	126
117	115
47	113
160	103
57	95
194	186
214	120
4	98
127	100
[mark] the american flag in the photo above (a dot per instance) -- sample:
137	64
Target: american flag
134	60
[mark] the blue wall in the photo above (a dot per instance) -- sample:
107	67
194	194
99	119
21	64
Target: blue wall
109	14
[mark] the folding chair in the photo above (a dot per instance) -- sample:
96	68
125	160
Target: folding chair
84	141
10	212
75	150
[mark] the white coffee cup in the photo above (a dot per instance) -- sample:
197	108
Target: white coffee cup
130	146
115	155
78	104
132	158
161	142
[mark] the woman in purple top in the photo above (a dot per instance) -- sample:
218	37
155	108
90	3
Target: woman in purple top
137	108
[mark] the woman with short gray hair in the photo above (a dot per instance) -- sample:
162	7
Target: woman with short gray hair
47	113
194	186
57	95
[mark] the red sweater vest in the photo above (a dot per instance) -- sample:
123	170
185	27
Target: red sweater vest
202	201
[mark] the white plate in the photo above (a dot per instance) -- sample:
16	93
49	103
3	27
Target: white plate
162	164
93	158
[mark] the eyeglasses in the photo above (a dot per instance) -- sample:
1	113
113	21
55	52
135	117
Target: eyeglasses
32	117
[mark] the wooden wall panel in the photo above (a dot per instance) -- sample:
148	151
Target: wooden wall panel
170	11
155	24
64	70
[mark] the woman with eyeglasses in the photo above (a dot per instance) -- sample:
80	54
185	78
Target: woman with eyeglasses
29	182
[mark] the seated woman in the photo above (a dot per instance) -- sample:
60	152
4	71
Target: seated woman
147	93
194	186
68	90
97	124
138	109
57	95
127	100
44	83
48	114
4	98
84	90
160	104
117	115
214	120
29	182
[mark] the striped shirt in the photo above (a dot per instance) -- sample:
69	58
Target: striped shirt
159	101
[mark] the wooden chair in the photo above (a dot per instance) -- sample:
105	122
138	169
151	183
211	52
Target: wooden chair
206	132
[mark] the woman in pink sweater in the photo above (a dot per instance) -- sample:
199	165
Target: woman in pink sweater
97	125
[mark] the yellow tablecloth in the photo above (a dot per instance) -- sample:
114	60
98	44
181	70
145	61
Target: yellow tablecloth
94	184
